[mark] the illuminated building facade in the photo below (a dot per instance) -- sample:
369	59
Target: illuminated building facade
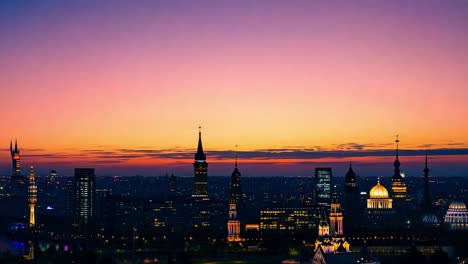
233	224
323	186
398	182
289	219
52	176
380	211
456	217
201	172
336	216
84	202
16	177
32	197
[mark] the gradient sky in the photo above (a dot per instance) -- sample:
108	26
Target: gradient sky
117	84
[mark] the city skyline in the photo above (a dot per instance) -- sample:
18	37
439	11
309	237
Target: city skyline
123	88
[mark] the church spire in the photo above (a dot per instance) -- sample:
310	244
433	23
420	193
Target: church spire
200	155
396	163
16	145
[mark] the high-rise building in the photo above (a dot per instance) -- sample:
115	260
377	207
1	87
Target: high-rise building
32	197
235	185
323	186
85	193
233	223
428	214
201	172
398	182
352	204
16	177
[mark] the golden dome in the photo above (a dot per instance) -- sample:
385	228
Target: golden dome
457	206
378	191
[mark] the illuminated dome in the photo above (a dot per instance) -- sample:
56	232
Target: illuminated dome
457	206
456	217
378	192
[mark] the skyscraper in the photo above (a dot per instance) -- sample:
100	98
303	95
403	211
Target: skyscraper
16	177
323	186
398	182
200	169
32	197
352	203
85	193
235	185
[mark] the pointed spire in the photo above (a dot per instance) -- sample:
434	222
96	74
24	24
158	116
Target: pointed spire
236	157
200	155
426	170
426	202
396	164
16	145
11	147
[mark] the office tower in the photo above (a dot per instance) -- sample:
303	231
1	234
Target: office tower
428	215
323	186
69	199
200	169
233	224
32	197
16	177
85	193
352	203
398	182
172	184
336	216
235	185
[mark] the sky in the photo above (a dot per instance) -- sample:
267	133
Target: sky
122	86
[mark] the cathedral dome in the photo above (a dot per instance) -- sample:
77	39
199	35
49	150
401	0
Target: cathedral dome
457	206
378	192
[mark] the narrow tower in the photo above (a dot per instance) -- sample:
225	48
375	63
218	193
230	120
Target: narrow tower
398	182
235	186
352	205
16	168
200	169
336	216
233	224
32	195
428	215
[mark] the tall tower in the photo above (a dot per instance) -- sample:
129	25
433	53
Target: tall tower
233	224
201	168
398	182
16	169
235	185
428	215
323	186
85	195
336	216
32	195
352	205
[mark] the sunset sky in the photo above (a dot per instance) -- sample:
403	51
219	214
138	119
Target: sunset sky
122	86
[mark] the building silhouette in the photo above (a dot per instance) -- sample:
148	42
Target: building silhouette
428	215
235	185
16	178
201	172
398	182
84	202
352	205
32	197
323	186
